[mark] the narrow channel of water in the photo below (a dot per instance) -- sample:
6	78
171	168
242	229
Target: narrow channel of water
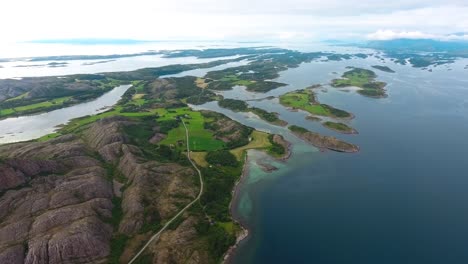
34	126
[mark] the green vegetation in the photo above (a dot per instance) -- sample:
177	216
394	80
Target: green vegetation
36	107
148	74
297	129
259	140
268	116
339	127
234	105
305	100
364	79
50	93
234	134
221	158
219	181
241	106
48	137
201	139
118	240
218	239
117	247
275	149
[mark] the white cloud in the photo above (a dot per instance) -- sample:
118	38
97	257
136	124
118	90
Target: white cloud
391	34
227	19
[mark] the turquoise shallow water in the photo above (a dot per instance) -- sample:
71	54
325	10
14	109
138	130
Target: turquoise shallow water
401	199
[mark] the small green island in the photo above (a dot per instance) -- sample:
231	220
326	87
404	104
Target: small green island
383	68
364	79
241	106
339	127
323	142
306	100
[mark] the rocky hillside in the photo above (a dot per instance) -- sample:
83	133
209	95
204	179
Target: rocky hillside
98	194
59	201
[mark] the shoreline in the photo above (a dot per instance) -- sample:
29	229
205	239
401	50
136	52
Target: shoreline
244	234
245	229
345	132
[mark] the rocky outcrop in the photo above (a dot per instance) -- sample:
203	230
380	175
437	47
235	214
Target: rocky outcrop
323	142
278	139
59	215
157	137
59	197
109	143
176	246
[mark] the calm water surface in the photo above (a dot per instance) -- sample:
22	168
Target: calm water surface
35	126
402	199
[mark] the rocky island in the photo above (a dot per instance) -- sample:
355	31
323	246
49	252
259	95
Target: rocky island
323	142
339	127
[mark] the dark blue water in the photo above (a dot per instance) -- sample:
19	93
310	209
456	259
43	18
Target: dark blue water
402	199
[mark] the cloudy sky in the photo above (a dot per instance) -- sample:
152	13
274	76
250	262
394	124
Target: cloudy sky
246	20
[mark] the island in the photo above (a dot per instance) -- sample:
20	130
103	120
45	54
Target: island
306	100
96	62
339	127
323	142
241	106
364	79
383	68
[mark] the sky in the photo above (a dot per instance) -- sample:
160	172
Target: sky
244	20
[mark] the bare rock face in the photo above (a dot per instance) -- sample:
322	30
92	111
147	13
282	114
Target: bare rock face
16	171
278	139
151	185
177	246
58	216
58	199
156	138
106	137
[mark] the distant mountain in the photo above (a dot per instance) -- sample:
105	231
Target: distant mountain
420	53
419	45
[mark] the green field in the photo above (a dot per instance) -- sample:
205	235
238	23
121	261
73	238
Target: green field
201	139
234	79
18	97
305	100
51	103
355	77
116	111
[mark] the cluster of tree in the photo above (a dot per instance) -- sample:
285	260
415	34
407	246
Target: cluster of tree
276	148
234	105
222	158
167	125
268	116
336	112
219	182
219	240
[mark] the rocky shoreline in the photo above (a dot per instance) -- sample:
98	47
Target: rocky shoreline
244	233
244	230
323	142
